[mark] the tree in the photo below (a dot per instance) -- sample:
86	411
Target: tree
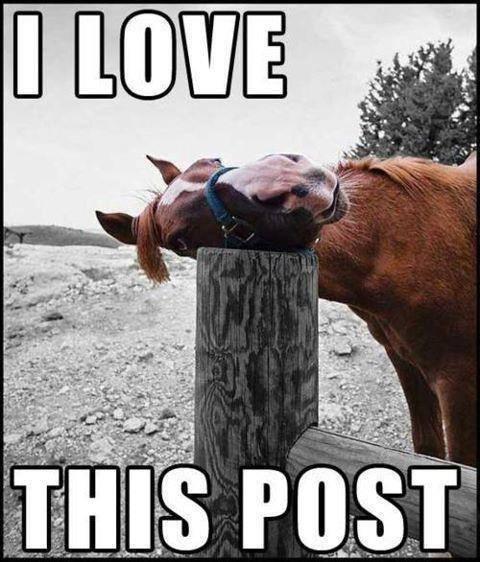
469	111
420	108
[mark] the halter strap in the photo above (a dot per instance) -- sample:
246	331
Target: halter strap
229	222
223	216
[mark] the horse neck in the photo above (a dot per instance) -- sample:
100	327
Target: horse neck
401	232
348	250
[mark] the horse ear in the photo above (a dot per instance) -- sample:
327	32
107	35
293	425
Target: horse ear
118	225
471	162
168	170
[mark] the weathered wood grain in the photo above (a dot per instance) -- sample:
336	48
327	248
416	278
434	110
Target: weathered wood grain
348	454
256	386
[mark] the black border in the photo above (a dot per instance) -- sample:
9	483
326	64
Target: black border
196	2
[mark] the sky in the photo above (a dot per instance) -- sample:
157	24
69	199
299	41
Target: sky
66	157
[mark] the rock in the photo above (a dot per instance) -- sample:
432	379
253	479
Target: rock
55	432
64	390
118	414
133	425
39	428
340	328
341	347
165	436
150	428
356	427
145	356
330	411
15	333
12	438
53	315
50	446
101	449
56	457
167	413
90	420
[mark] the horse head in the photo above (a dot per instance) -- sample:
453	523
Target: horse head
284	199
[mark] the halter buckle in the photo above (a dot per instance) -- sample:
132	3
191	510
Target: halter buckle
227	230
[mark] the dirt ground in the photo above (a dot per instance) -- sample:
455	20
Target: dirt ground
99	368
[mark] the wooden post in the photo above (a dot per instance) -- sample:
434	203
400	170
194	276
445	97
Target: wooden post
256	387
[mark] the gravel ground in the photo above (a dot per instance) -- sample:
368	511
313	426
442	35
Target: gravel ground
99	368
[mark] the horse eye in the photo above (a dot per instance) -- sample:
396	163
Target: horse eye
181	244
177	242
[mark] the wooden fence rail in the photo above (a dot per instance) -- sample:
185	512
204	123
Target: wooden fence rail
350	455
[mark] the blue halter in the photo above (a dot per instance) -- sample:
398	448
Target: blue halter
223	216
227	221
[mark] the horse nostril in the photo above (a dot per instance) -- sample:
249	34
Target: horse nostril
300	191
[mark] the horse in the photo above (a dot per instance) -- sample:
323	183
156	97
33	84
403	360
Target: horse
395	241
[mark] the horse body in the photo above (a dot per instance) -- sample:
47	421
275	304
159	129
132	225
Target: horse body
403	259
401	255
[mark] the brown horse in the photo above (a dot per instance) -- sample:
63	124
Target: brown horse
401	253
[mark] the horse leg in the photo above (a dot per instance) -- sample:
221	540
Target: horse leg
459	414
425	415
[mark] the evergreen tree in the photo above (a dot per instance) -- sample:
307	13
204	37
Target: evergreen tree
469	111
420	108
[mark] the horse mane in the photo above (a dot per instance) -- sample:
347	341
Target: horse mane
149	255
415	175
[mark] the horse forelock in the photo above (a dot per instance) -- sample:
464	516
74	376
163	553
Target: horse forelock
148	239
